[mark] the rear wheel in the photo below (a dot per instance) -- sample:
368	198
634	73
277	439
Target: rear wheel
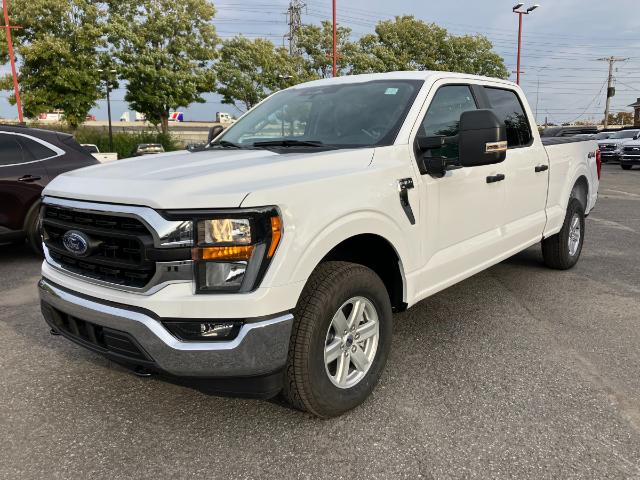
625	167
562	251
340	341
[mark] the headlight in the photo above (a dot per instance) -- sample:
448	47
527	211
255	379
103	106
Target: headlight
232	253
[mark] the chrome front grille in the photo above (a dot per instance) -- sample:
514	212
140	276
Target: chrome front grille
120	252
123	250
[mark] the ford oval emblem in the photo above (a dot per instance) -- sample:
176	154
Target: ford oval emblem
76	242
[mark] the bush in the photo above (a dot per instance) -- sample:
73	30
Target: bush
124	143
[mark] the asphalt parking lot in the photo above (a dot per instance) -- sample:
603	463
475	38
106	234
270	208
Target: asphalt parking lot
519	371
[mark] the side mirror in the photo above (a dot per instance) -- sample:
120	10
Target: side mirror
483	138
214	132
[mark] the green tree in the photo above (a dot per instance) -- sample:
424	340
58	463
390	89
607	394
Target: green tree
620	118
317	44
250	70
407	43
165	50
58	50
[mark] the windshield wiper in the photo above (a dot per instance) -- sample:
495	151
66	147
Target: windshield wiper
289	143
226	144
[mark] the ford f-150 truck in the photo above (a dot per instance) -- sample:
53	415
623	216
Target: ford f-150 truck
272	261
612	146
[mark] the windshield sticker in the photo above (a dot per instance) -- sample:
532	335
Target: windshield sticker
391	91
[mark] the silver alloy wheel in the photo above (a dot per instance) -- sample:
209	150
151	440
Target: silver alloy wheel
575	232
352	342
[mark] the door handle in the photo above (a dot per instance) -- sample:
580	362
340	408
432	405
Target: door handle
495	178
541	168
29	178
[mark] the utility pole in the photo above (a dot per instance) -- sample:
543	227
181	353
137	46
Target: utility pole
16	89
611	91
294	19
107	79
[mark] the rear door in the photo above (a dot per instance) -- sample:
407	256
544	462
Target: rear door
22	179
528	166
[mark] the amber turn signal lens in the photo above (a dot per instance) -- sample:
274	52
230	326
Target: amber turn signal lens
222	253
276	234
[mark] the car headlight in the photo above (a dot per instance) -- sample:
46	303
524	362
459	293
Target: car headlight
232	252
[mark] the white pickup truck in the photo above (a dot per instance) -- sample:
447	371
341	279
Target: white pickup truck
101	157
272	261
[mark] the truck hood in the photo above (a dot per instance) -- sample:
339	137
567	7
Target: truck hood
209	179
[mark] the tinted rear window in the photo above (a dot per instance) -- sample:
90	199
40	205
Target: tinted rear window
35	150
10	150
506	104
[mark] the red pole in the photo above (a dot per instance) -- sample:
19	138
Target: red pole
519	46
335	41
16	88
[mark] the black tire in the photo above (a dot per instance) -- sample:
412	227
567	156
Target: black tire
307	385
625	167
32	227
555	249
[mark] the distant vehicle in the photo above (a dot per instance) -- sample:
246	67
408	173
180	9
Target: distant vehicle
125	117
630	155
51	116
176	117
567	131
140	117
29	160
611	148
223	117
603	135
95	151
91	118
147	149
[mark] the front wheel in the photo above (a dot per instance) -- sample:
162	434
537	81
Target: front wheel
340	341
34	232
562	251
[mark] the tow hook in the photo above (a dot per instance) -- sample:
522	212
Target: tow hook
55	333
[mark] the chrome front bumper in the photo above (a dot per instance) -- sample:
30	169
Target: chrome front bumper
259	349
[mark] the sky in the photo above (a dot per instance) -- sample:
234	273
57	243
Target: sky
562	42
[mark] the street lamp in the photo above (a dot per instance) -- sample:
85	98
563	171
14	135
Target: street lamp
516	9
107	80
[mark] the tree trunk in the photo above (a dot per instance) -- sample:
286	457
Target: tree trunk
164	123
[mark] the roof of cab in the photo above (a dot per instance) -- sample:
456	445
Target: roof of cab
400	75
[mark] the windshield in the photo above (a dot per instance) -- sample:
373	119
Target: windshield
625	134
340	116
602	136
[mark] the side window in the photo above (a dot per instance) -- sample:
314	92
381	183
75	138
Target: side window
508	108
35	150
443	116
10	150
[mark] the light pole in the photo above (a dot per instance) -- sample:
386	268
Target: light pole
107	79
16	89
516	9
335	41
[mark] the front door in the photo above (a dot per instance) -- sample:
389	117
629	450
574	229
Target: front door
464	209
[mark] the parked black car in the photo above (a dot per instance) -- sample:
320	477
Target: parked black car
29	159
